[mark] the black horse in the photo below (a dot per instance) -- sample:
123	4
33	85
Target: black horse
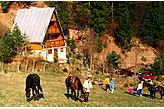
33	82
74	83
151	88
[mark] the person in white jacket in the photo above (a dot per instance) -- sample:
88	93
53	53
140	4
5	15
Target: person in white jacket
139	89
87	87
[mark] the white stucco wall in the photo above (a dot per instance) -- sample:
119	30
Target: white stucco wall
50	57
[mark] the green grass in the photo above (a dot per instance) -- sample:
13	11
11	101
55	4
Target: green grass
12	93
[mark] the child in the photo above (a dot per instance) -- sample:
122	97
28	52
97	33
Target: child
112	86
130	89
139	89
106	82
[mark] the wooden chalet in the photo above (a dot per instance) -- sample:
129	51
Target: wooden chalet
43	31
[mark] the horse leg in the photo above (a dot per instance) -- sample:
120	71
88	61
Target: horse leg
40	88
33	93
68	90
72	93
77	93
161	94
36	93
154	95
151	94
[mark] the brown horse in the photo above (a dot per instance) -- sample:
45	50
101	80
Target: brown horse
160	89
74	83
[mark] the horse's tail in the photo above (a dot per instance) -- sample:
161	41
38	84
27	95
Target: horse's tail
67	81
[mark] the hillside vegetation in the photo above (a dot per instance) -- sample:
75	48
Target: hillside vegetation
113	36
106	24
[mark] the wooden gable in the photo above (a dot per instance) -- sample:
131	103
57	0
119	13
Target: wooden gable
54	36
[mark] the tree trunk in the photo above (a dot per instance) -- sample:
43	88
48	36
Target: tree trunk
26	68
103	68
90	58
18	66
2	68
33	65
107	68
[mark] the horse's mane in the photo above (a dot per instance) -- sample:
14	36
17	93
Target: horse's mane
79	81
80	84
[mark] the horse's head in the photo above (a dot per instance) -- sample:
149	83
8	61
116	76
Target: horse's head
28	92
82	97
159	88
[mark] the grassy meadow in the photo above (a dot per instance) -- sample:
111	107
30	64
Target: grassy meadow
12	93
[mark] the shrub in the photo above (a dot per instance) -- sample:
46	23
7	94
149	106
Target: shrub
157	68
71	43
5	5
113	58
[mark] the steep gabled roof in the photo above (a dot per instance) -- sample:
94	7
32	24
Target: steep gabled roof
34	22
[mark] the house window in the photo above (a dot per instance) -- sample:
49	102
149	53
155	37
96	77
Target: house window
50	51
48	37
61	49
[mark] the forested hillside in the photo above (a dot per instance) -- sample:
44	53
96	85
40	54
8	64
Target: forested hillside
126	19
133	29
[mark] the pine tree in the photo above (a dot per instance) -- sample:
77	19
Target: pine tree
152	30
157	67
10	43
100	15
124	16
81	14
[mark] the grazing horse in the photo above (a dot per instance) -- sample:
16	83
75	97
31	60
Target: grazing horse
74	83
160	89
151	88
33	82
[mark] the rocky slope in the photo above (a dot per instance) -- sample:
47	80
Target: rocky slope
140	55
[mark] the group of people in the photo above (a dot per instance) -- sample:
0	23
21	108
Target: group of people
109	85
139	89
87	85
